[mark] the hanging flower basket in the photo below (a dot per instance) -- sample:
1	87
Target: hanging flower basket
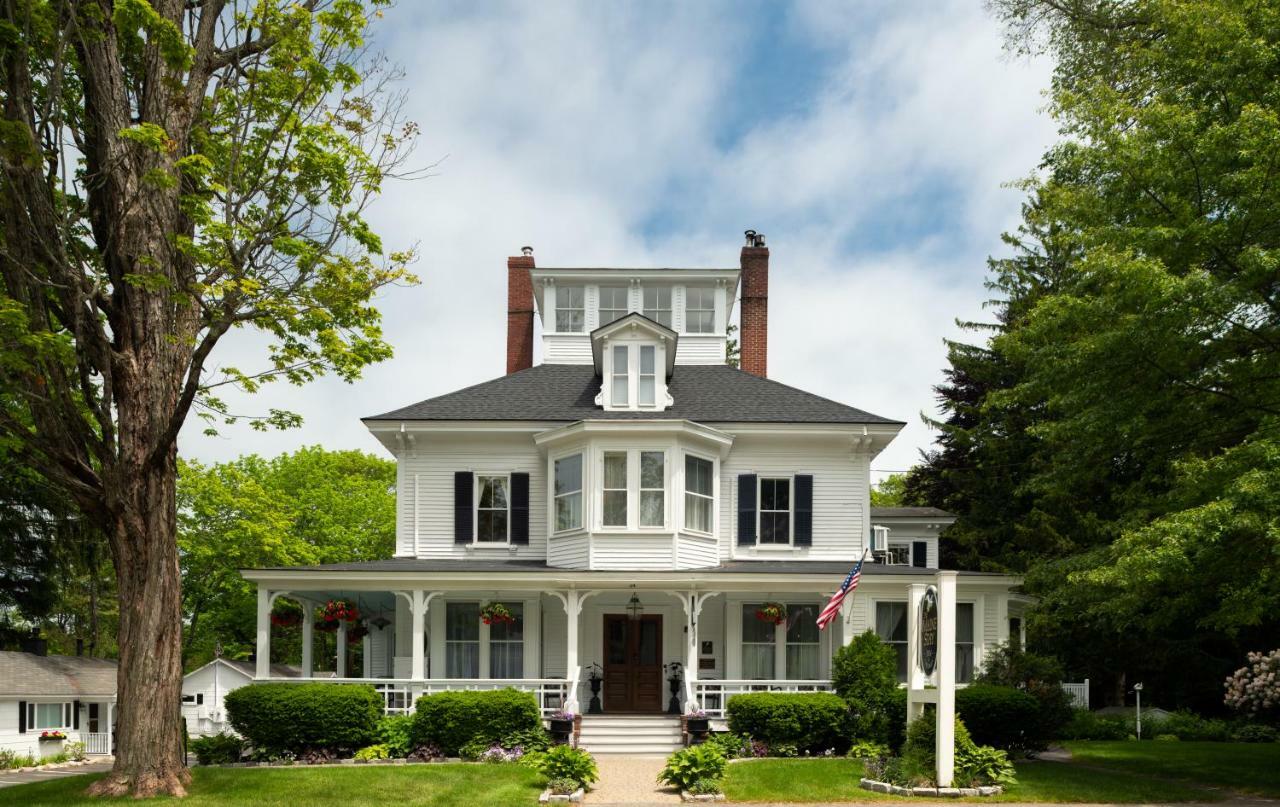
356	633
286	620
496	612
340	611
774	612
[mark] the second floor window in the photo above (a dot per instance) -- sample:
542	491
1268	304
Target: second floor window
570	309
492	509
613	303
653	488
657	304
568	492
775	511
699	310
615	489
698	496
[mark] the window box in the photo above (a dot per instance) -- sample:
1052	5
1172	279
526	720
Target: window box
54	736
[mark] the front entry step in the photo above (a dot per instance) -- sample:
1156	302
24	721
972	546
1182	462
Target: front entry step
631	734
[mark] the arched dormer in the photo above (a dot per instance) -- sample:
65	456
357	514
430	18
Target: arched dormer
634	357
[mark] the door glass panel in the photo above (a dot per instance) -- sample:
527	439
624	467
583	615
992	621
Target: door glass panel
617	645
648	651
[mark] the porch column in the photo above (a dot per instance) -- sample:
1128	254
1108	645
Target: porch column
692	602
263	658
946	734
308	635
340	654
418	666
915	677
572	607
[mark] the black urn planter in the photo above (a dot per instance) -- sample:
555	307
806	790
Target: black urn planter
673	708
698	725
560	730
593	708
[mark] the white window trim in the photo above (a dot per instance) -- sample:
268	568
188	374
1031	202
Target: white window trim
633	350
633	490
780	643
791	521
475	508
978	641
626	304
626	489
65	714
684	489
898	545
671	304
557	308
582	491
687	309
641	489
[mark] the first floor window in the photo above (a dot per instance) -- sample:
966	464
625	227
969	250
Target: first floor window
653	488
620	376
699	310
568	492
492	509
49	715
462	640
891	627
615	489
802	641
964	642
758	645
775	511
506	645
657	304
613	303
698	496
570	309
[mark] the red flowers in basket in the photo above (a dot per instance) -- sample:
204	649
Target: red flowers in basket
774	612
496	612
336	611
286	620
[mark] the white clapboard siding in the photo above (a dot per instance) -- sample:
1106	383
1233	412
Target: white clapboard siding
569	551
559	348
700	349
555	626
696	552
840	493
632	552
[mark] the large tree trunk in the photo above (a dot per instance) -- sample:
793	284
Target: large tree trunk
150	759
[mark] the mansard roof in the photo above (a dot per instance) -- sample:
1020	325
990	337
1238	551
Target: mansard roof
567	392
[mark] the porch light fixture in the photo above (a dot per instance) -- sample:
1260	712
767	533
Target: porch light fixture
634	608
380	622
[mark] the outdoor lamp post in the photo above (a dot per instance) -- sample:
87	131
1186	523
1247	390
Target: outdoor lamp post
1137	688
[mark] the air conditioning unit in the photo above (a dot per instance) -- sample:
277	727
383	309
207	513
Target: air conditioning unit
879	543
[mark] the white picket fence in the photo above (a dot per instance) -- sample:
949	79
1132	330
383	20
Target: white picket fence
96	742
1079	693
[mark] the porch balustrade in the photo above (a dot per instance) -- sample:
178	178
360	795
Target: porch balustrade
400	694
713	696
96	742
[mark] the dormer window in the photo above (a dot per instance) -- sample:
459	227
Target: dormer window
613	303
699	310
571	309
634	357
621	375
633	376
648	382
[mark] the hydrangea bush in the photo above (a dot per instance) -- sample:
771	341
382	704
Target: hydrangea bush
1254	690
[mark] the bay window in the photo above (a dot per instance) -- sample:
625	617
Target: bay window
492	509
615	489
653	488
633	489
891	627
568	492
570	309
462	640
657	304
698	496
613	303
775	511
699	310
506	645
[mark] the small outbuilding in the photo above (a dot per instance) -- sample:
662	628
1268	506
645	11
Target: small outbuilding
205	689
49	701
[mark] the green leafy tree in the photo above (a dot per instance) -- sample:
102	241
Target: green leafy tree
174	169
890	491
865	673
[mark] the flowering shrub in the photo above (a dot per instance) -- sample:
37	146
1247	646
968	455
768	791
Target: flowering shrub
774	612
496	612
496	753
1254	690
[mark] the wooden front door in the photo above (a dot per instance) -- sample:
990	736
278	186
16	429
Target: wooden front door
632	663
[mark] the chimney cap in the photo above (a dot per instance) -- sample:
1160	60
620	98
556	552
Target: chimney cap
754	239
526	251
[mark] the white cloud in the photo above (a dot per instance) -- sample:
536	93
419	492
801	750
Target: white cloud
572	126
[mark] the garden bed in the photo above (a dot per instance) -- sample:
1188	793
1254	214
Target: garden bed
930	792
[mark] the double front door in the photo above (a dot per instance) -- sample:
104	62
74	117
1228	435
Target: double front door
632	663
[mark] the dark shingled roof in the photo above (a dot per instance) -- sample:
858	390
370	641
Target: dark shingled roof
909	512
837	568
55	676
567	392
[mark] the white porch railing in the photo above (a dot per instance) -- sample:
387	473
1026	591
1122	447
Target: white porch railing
97	742
714	696
399	694
1079	693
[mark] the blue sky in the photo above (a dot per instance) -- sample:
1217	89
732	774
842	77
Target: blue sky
869	140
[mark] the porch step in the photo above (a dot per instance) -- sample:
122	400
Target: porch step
630	734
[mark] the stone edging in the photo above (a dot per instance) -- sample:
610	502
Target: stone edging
53	766
700	797
336	763
930	792
548	797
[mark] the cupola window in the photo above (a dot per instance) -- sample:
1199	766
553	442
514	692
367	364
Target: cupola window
699	310
571	309
613	303
657	304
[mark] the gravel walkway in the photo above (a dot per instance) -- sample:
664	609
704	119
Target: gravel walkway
626	779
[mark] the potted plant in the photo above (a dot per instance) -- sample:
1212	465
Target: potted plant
774	612
698	724
595	677
53	736
562	725
496	612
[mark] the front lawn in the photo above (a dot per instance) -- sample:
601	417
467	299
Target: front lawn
827	780
442	785
1245	767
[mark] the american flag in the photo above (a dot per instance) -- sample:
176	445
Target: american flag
846	588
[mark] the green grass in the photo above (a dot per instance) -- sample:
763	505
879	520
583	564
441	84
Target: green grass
442	785
1244	767
834	780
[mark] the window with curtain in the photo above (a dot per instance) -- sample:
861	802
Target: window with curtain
891	627
653	488
568	492
49	715
802	641
462	640
775	511
759	642
492	509
699	310
657	304
964	642
506	645
620	378
615	489
698	496
570	309
648	380
613	303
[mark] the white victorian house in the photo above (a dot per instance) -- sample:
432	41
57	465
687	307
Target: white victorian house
633	501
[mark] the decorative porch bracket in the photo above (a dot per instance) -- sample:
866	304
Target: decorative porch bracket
573	600
692	603
419	601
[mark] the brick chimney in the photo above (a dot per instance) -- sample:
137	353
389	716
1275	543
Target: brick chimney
754	320
520	311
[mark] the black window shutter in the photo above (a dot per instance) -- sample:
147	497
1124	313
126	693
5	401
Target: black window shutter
75	715
462	510
22	717
920	554
519	508
746	509
804	509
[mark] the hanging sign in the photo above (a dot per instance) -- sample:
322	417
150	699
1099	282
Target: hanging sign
928	649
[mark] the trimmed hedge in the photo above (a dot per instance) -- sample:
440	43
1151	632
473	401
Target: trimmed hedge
811	721
301	717
1002	717
450	720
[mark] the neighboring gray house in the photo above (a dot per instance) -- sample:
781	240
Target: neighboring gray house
40	694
